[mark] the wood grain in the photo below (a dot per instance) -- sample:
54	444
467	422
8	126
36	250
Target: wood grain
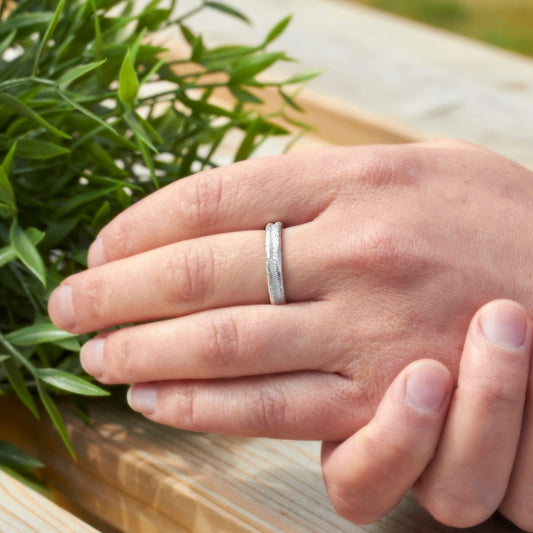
141	477
23	510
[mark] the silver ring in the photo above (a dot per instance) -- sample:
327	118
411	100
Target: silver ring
274	261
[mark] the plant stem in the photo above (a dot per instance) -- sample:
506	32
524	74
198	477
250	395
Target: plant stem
17	355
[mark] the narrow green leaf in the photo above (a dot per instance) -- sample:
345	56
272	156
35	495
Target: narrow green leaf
304	76
128	84
85	111
297	123
24	20
48	34
56	417
27	252
11	455
6	43
148	161
225	53
17	381
188	159
198	49
71	345
153	18
38	334
4	358
102	217
224	8
8	160
78	72
249	67
20	107
33	149
188	35
104	160
138	129
277	30
203	108
150	129
7	196
135	47
7	253
247	145
66	206
69	383
151	72
243	95
290	101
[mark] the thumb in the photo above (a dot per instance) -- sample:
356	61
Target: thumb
368	474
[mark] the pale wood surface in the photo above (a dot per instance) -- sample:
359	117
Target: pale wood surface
23	510
142	477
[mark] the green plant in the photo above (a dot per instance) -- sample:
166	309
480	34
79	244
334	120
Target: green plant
94	116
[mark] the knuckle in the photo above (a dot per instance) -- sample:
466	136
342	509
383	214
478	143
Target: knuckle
348	503
399	446
378	245
270	412
342	502
496	393
183	413
187	274
118	358
385	167
92	294
461	509
119	234
201	204
220	342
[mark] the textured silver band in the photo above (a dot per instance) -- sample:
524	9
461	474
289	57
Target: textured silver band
274	262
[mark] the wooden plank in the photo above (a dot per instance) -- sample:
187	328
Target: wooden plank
23	510
143	477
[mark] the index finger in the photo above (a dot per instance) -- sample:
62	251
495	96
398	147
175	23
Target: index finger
241	196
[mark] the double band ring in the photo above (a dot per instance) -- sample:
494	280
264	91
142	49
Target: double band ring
274	263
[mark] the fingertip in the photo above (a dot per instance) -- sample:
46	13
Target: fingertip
96	255
428	384
504	323
61	309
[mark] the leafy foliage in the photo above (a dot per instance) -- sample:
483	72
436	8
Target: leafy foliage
94	116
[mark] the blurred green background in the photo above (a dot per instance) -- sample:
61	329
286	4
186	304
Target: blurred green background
505	23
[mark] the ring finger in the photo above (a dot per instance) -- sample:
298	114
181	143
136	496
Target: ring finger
183	278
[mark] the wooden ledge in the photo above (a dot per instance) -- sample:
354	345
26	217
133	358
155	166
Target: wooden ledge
141	477
23	510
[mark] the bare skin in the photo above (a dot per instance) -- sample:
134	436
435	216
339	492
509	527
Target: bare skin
388	253
463	463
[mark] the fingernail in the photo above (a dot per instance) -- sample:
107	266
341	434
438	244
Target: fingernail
427	386
61	308
504	324
92	357
142	398
96	254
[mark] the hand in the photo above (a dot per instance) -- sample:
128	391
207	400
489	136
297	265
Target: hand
388	252
462	466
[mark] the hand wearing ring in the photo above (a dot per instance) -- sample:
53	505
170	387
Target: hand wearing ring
388	251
